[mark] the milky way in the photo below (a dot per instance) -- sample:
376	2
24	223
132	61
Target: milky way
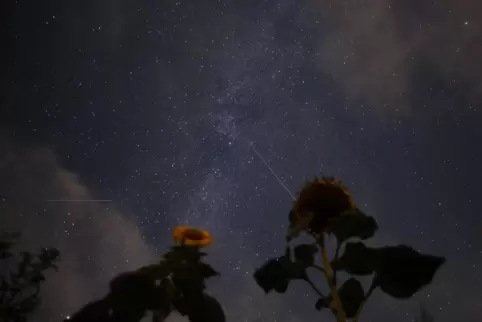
157	105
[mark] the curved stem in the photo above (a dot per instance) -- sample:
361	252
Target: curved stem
318	268
340	313
313	286
337	253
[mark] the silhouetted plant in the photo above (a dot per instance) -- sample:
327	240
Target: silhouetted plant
176	283
323	208
21	278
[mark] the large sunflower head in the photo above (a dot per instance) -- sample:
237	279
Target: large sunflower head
190	236
322	199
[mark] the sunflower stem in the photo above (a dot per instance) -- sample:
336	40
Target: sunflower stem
313	286
337	253
340	313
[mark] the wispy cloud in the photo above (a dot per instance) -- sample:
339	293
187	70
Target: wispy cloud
96	240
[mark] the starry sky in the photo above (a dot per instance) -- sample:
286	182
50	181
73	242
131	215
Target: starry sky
157	106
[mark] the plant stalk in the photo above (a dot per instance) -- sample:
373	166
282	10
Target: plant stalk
340	313
337	254
313	286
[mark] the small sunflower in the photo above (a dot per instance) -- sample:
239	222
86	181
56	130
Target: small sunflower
323	198
190	236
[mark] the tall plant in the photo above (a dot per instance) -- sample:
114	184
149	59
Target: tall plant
324	208
175	283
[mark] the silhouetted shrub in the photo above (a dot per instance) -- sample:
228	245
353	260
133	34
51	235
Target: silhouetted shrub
176	283
21	278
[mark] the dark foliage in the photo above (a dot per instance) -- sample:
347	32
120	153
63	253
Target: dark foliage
401	271
351	295
276	273
21	279
352	224
398	271
357	260
176	283
305	254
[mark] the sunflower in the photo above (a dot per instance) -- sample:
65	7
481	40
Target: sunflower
322	199
190	236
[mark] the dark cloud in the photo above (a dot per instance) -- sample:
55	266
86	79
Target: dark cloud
98	241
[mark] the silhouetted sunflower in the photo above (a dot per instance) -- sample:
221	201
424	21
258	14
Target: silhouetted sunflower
190	236
324	198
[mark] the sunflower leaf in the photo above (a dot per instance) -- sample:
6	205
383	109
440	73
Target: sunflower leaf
138	291
305	254
402	271
357	259
351	295
206	270
353	223
203	308
276	274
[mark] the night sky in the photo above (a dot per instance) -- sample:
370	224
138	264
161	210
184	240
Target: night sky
154	106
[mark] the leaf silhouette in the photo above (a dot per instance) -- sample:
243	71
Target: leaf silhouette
351	296
277	273
402	271
351	224
305	254
204	308
357	259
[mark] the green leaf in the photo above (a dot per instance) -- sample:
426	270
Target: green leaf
276	274
177	255
357	259
305	254
402	271
156	271
351	295
191	276
206	309
352	224
188	271
100	310
206	270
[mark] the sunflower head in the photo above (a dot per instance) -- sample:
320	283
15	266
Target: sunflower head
323	198
190	236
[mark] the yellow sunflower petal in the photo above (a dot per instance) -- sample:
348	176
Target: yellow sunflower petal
191	236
